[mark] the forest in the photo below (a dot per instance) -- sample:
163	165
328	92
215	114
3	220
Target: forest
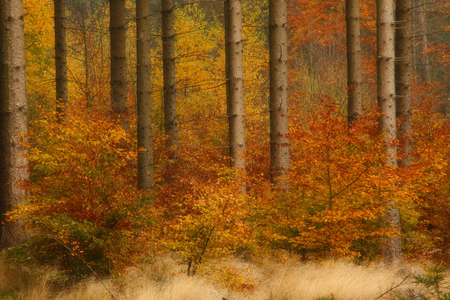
300	130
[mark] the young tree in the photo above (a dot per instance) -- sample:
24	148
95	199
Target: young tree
387	126
60	56
279	140
403	70
235	81
170	98
144	95
13	116
354	74
118	60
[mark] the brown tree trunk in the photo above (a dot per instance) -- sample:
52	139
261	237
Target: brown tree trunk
118	61
279	140
354	76
425	73
144	96
403	70
391	249
13	116
170	97
60	56
235	81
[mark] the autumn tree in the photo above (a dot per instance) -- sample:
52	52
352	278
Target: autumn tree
13	116
235	81
279	140
170	100
118	60
60	56
391	249
144	95
354	74
403	69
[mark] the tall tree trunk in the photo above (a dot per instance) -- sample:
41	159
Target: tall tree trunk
391	248
425	74
235	81
60	56
170	97
13	116
144	95
354	76
279	140
118	61
86	39
403	70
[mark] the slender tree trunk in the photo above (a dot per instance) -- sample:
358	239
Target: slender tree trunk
60	56
354	76
13	116
170	98
118	61
279	131
391	249
87	9
235	81
403	70
144	95
87	85
425	74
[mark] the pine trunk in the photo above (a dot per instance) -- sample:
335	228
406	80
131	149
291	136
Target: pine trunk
391	249
279	140
144	95
354	76
13	117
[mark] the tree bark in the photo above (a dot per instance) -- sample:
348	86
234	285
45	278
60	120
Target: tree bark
354	75
144	96
403	71
425	73
170	98
118	61
279	131
60	57
13	117
391	249
235	81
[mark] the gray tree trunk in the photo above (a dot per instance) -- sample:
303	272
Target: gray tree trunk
235	81
118	61
425	73
13	116
170	97
279	140
60	56
403	73
354	75
144	95
391	249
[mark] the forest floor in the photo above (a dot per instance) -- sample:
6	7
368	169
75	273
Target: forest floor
232	279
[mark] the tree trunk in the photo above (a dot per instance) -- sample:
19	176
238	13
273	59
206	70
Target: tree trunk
170	98
60	57
354	76
86	40
144	95
403	70
391	249
279	140
13	117
425	74
235	81
118	61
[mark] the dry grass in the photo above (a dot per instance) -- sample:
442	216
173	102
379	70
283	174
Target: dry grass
164	280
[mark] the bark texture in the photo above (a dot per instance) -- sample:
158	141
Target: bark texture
403	72
170	97
235	81
279	140
354	75
118	60
60	56
144	95
13	116
391	250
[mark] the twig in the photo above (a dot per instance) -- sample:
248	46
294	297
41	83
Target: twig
394	287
